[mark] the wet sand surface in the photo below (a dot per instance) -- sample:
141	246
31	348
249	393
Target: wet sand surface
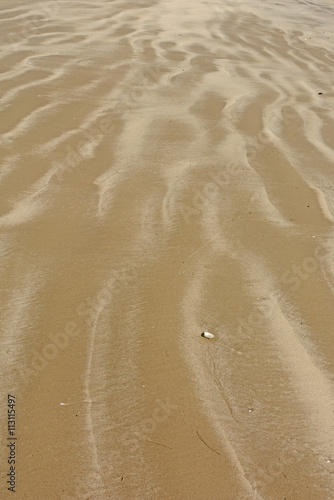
167	169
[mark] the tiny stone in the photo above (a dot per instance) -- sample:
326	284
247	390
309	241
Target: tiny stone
207	335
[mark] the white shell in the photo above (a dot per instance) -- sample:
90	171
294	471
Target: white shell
208	335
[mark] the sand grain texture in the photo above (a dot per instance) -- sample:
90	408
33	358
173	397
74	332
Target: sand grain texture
167	169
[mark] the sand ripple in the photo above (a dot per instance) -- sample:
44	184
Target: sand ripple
167	168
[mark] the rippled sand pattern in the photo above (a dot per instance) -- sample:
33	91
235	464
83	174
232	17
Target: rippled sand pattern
167	168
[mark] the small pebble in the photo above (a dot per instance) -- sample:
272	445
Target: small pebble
207	335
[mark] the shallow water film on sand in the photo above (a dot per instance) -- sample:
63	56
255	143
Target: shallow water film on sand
167	250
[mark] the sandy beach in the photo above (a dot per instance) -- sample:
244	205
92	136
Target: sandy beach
167	168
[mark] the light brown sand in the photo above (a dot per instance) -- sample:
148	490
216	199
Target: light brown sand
167	168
